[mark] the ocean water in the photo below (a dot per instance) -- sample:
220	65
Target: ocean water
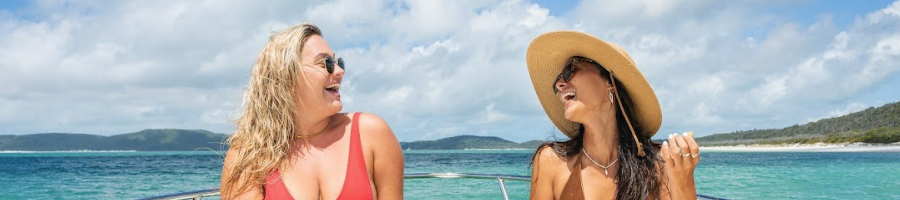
733	175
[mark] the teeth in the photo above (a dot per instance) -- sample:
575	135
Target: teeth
335	86
568	95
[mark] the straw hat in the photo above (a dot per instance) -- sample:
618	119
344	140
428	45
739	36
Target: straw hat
547	55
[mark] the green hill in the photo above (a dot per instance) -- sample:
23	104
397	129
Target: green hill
146	140
469	142
872	125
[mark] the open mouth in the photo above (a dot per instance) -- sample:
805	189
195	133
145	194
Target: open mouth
568	96
333	87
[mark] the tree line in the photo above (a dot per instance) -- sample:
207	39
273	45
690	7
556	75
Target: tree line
879	125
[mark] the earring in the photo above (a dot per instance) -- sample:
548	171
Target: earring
610	98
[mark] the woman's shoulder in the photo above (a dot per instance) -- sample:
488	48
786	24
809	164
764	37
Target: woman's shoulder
548	155
373	127
368	121
230	154
546	165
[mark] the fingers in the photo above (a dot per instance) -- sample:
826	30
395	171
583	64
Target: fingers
673	150
681	150
695	148
666	156
685	153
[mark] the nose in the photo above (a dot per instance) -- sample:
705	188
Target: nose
338	72
560	84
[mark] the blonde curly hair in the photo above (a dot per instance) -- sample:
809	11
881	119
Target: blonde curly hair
266	126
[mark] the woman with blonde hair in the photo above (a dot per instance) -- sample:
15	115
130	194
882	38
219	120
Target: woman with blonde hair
292	142
595	95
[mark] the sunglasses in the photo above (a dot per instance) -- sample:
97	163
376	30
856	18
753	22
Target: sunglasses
569	70
331	62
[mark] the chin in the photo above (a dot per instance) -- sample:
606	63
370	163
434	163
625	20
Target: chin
337	106
569	115
573	113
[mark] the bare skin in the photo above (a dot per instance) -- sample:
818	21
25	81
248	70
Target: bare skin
317	168
591	106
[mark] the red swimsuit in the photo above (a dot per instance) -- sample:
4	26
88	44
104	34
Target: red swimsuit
356	182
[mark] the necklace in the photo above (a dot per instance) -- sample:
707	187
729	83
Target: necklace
605	168
310	135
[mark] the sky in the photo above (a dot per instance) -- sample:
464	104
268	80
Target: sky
434	69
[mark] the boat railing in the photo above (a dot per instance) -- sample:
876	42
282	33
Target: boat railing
195	195
500	178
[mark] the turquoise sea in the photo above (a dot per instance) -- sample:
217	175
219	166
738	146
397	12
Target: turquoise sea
732	175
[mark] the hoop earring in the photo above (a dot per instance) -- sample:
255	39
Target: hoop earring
610	98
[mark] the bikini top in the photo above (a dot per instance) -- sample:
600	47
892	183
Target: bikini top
356	181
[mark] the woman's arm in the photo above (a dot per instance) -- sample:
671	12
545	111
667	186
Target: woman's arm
681	154
254	192
387	156
542	174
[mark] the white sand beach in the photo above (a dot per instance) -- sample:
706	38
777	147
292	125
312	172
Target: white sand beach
818	147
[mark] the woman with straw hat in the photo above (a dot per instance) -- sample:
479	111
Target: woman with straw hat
595	95
292	142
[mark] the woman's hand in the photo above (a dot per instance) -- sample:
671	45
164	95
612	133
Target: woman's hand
681	154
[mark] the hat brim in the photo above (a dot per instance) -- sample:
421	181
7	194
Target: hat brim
548	54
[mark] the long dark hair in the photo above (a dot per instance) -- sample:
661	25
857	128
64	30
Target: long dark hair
638	176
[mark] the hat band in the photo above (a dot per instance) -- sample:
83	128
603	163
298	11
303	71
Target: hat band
640	146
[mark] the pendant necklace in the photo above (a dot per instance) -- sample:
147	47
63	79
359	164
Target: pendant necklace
605	168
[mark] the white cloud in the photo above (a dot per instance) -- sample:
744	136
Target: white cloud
124	66
451	84
851	108
431	68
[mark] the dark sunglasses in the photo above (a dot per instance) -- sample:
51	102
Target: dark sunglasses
331	62
569	70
